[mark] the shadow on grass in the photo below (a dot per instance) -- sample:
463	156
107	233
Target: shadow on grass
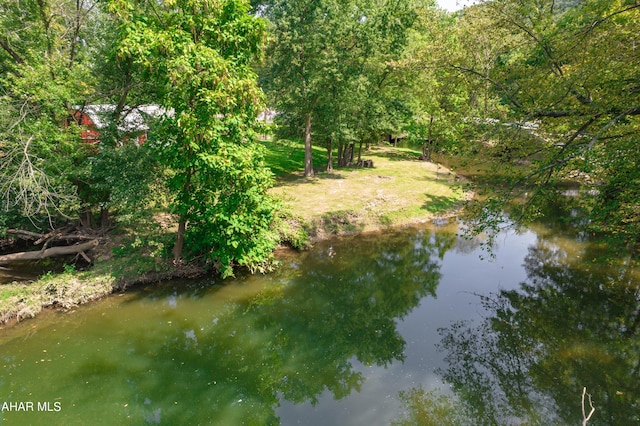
394	154
328	175
299	179
437	204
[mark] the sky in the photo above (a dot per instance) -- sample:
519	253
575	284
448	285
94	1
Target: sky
452	5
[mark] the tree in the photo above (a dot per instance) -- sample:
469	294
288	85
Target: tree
438	97
46	67
329	66
482	49
57	56
301	32
574	72
198	55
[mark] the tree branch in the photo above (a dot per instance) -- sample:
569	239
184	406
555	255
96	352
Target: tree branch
11	52
631	111
606	18
585	417
40	238
492	81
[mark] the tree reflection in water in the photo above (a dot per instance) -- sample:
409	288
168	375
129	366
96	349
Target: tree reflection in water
572	324
296	339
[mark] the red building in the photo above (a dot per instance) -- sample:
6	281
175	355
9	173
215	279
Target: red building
133	124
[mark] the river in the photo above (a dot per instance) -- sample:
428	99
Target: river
412	326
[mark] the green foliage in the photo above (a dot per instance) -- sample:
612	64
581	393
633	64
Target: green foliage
125	180
614	208
291	229
39	158
330	69
342	72
232	222
572	72
50	53
45	68
200	67
437	97
153	245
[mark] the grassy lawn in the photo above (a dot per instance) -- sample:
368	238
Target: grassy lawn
399	189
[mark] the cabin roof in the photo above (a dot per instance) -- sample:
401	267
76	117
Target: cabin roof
133	119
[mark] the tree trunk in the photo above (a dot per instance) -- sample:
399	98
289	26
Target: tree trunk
329	155
86	218
347	155
105	220
179	245
182	224
308	160
486	94
41	254
426	147
360	151
55	235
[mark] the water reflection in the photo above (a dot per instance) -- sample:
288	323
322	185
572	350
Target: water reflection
573	323
354	320
182	361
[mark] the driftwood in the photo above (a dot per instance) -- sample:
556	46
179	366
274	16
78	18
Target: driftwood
49	252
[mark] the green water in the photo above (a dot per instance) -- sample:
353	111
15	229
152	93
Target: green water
407	326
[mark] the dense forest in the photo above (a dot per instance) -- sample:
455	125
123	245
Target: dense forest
175	89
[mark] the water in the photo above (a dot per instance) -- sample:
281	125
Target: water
409	326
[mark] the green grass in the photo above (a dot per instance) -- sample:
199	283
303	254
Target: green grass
286	158
398	190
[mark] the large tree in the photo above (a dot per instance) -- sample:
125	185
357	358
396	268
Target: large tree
198	54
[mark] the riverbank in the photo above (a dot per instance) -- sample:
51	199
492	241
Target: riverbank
398	190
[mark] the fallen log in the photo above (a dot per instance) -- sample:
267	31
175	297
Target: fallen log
50	252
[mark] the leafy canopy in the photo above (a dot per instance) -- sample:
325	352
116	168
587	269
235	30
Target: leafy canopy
198	54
